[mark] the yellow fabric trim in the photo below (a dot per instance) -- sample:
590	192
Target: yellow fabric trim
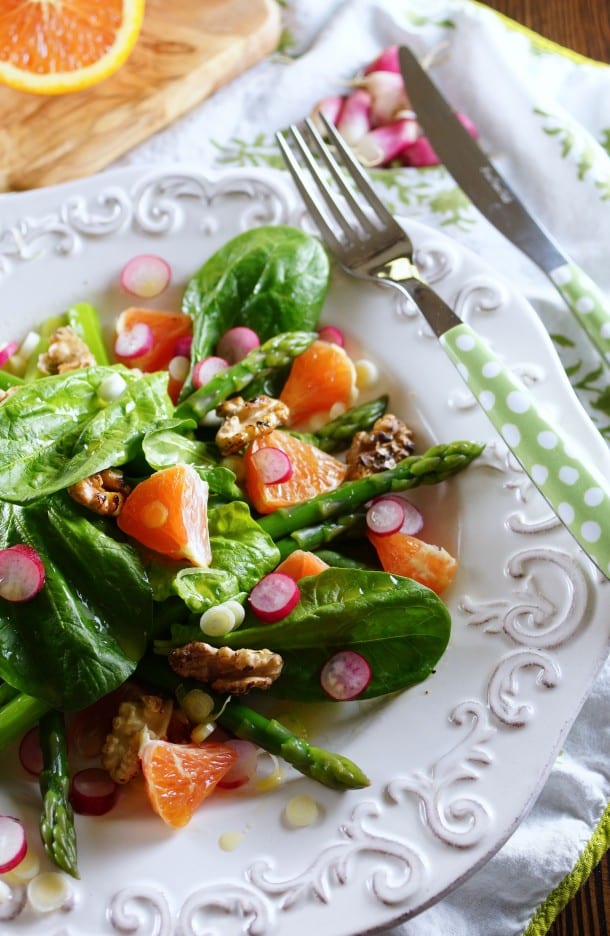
596	848
547	45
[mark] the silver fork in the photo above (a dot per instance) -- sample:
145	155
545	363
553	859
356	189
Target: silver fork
368	242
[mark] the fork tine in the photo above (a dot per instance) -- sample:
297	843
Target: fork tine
357	173
336	210
339	177
297	175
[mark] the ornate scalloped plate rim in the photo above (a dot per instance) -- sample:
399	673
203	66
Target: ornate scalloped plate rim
525	624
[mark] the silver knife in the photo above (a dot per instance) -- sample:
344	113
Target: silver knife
494	198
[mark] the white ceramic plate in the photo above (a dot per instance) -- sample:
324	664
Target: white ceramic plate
456	761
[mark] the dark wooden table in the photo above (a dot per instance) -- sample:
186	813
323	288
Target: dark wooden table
584	26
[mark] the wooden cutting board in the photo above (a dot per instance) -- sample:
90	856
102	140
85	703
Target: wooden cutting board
186	50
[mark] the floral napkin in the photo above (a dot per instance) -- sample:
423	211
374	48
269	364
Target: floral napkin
543	115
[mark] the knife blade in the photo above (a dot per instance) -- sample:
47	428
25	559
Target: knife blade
495	199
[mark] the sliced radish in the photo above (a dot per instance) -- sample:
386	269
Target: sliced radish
274	597
13	843
330	107
236	343
355	118
332	335
413	520
385	516
30	754
183	345
93	792
272	465
178	368
388	96
345	675
146	276
7	352
387	60
244	767
383	144
22	573
204	370
135	341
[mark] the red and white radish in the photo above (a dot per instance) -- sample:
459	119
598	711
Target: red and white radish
22	573
383	144
134	342
183	345
13	843
244	768
388	97
30	753
385	516
345	675
333	335
330	107
146	276
236	343
204	370
413	520
272	465
93	792
274	597
7	351
355	118
387	60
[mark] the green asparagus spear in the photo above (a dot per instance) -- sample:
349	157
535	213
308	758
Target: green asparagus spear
333	770
57	818
437	464
84	320
338	433
9	380
313	537
338	559
276	352
45	331
7	693
18	715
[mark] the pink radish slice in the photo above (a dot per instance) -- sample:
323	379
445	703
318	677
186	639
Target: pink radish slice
274	597
387	60
134	342
145	276
7	352
30	754
329	107
236	343
385	516
345	675
355	118
244	767
332	335
182	348
93	792
383	144
413	520
388	96
272	465
21	573
13	843
204	370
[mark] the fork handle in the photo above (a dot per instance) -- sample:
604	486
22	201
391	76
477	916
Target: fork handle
579	496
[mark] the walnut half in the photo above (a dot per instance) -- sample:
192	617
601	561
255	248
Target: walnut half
227	670
388	442
104	492
67	352
147	716
245	420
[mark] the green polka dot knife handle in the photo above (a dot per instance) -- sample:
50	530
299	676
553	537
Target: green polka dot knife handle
587	302
579	497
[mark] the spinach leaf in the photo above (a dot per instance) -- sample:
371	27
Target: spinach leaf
273	279
57	430
241	554
81	636
399	626
167	446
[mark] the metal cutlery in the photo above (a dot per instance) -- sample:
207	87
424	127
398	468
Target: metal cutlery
369	243
485	187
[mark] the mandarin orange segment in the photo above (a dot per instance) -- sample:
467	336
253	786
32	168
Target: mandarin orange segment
56	46
300	563
179	777
411	557
313	472
168	512
166	328
321	377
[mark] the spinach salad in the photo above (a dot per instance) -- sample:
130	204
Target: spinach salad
191	543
